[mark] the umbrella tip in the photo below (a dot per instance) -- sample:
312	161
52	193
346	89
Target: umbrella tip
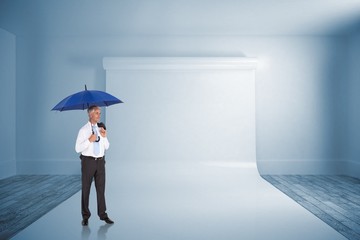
85	88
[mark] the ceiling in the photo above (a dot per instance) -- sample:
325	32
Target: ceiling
181	17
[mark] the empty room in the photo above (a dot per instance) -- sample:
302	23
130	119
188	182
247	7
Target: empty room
218	119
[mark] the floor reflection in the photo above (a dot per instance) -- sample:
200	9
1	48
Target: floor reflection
101	232
85	233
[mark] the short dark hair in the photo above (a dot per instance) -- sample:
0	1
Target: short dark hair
91	108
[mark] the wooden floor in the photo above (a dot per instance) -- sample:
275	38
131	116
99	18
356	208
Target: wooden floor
25	198
333	199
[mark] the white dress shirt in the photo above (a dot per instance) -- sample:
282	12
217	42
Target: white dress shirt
85	147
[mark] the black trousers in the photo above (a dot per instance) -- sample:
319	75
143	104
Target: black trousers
93	169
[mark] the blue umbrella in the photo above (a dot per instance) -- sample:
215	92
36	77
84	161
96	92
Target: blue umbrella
84	99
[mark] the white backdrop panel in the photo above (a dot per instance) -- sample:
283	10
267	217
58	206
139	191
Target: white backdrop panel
182	115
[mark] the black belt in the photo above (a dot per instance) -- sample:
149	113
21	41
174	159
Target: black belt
93	158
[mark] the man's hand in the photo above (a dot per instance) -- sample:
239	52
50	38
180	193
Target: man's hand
92	138
102	132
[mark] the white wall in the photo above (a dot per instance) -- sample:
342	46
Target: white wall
7	98
296	83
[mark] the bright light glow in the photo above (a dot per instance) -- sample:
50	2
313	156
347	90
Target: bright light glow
246	165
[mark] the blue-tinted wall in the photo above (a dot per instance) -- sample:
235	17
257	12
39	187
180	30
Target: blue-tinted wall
302	105
352	109
8	100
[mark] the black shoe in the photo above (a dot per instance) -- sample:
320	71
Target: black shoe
85	222
108	220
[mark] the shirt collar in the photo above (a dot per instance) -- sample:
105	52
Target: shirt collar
89	123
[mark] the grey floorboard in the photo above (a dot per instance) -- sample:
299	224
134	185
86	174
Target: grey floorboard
25	198
333	199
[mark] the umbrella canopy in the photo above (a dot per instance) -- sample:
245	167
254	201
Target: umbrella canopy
84	99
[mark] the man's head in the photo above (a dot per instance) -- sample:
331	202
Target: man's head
94	113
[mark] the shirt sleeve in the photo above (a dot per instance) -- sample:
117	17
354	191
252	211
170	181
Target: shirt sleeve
82	141
106	143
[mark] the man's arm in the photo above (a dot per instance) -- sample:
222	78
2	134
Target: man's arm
82	141
103	134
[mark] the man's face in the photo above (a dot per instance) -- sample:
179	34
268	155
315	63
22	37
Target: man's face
95	115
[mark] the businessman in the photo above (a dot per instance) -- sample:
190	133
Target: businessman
92	142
